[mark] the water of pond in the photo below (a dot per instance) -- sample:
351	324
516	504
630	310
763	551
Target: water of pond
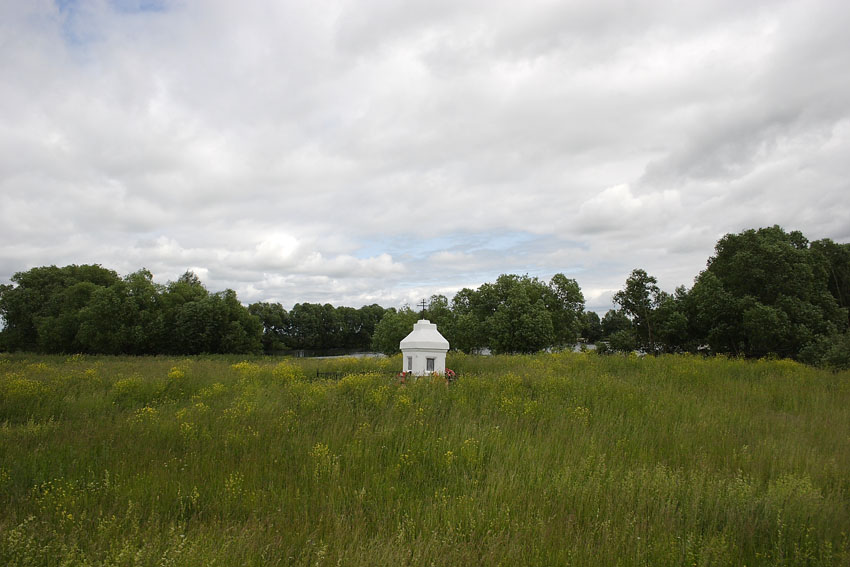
330	353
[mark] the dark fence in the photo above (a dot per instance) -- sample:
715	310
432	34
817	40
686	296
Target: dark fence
331	375
338	375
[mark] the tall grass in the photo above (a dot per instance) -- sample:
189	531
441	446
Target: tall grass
567	459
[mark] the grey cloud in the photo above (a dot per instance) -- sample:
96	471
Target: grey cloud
266	143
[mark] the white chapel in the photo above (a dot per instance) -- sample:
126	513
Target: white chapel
424	350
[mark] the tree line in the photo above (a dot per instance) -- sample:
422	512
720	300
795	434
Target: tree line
90	309
764	292
518	314
316	327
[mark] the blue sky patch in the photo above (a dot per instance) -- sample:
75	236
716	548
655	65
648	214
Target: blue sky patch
132	6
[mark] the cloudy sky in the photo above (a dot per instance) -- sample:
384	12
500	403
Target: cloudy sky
367	151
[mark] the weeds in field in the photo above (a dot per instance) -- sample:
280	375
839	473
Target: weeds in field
547	459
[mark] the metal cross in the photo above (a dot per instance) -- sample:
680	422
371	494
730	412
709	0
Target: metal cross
422	304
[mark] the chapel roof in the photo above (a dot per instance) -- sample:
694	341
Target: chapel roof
424	336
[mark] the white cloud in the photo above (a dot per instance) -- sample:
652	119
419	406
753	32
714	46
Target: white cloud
272	144
618	210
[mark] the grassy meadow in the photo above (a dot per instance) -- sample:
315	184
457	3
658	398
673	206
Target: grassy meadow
565	459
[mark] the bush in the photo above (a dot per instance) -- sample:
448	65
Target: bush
623	341
830	352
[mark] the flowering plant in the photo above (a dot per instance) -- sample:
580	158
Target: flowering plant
451	375
403	376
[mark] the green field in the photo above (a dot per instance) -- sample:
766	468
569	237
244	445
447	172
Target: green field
568	459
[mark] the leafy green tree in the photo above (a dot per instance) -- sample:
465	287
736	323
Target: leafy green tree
40	308
348	327
90	309
356	326
767	291
314	326
468	334
58	327
241	332
565	303
194	330
764	264
146	313
639	299
624	340
765	328
519	314
671	322
275	321
834	262
200	322
188	287
124	318
369	316
216	323
837	356
592	327
185	319
105	321
615	320
440	313
518	325
392	328
714	315
830	351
